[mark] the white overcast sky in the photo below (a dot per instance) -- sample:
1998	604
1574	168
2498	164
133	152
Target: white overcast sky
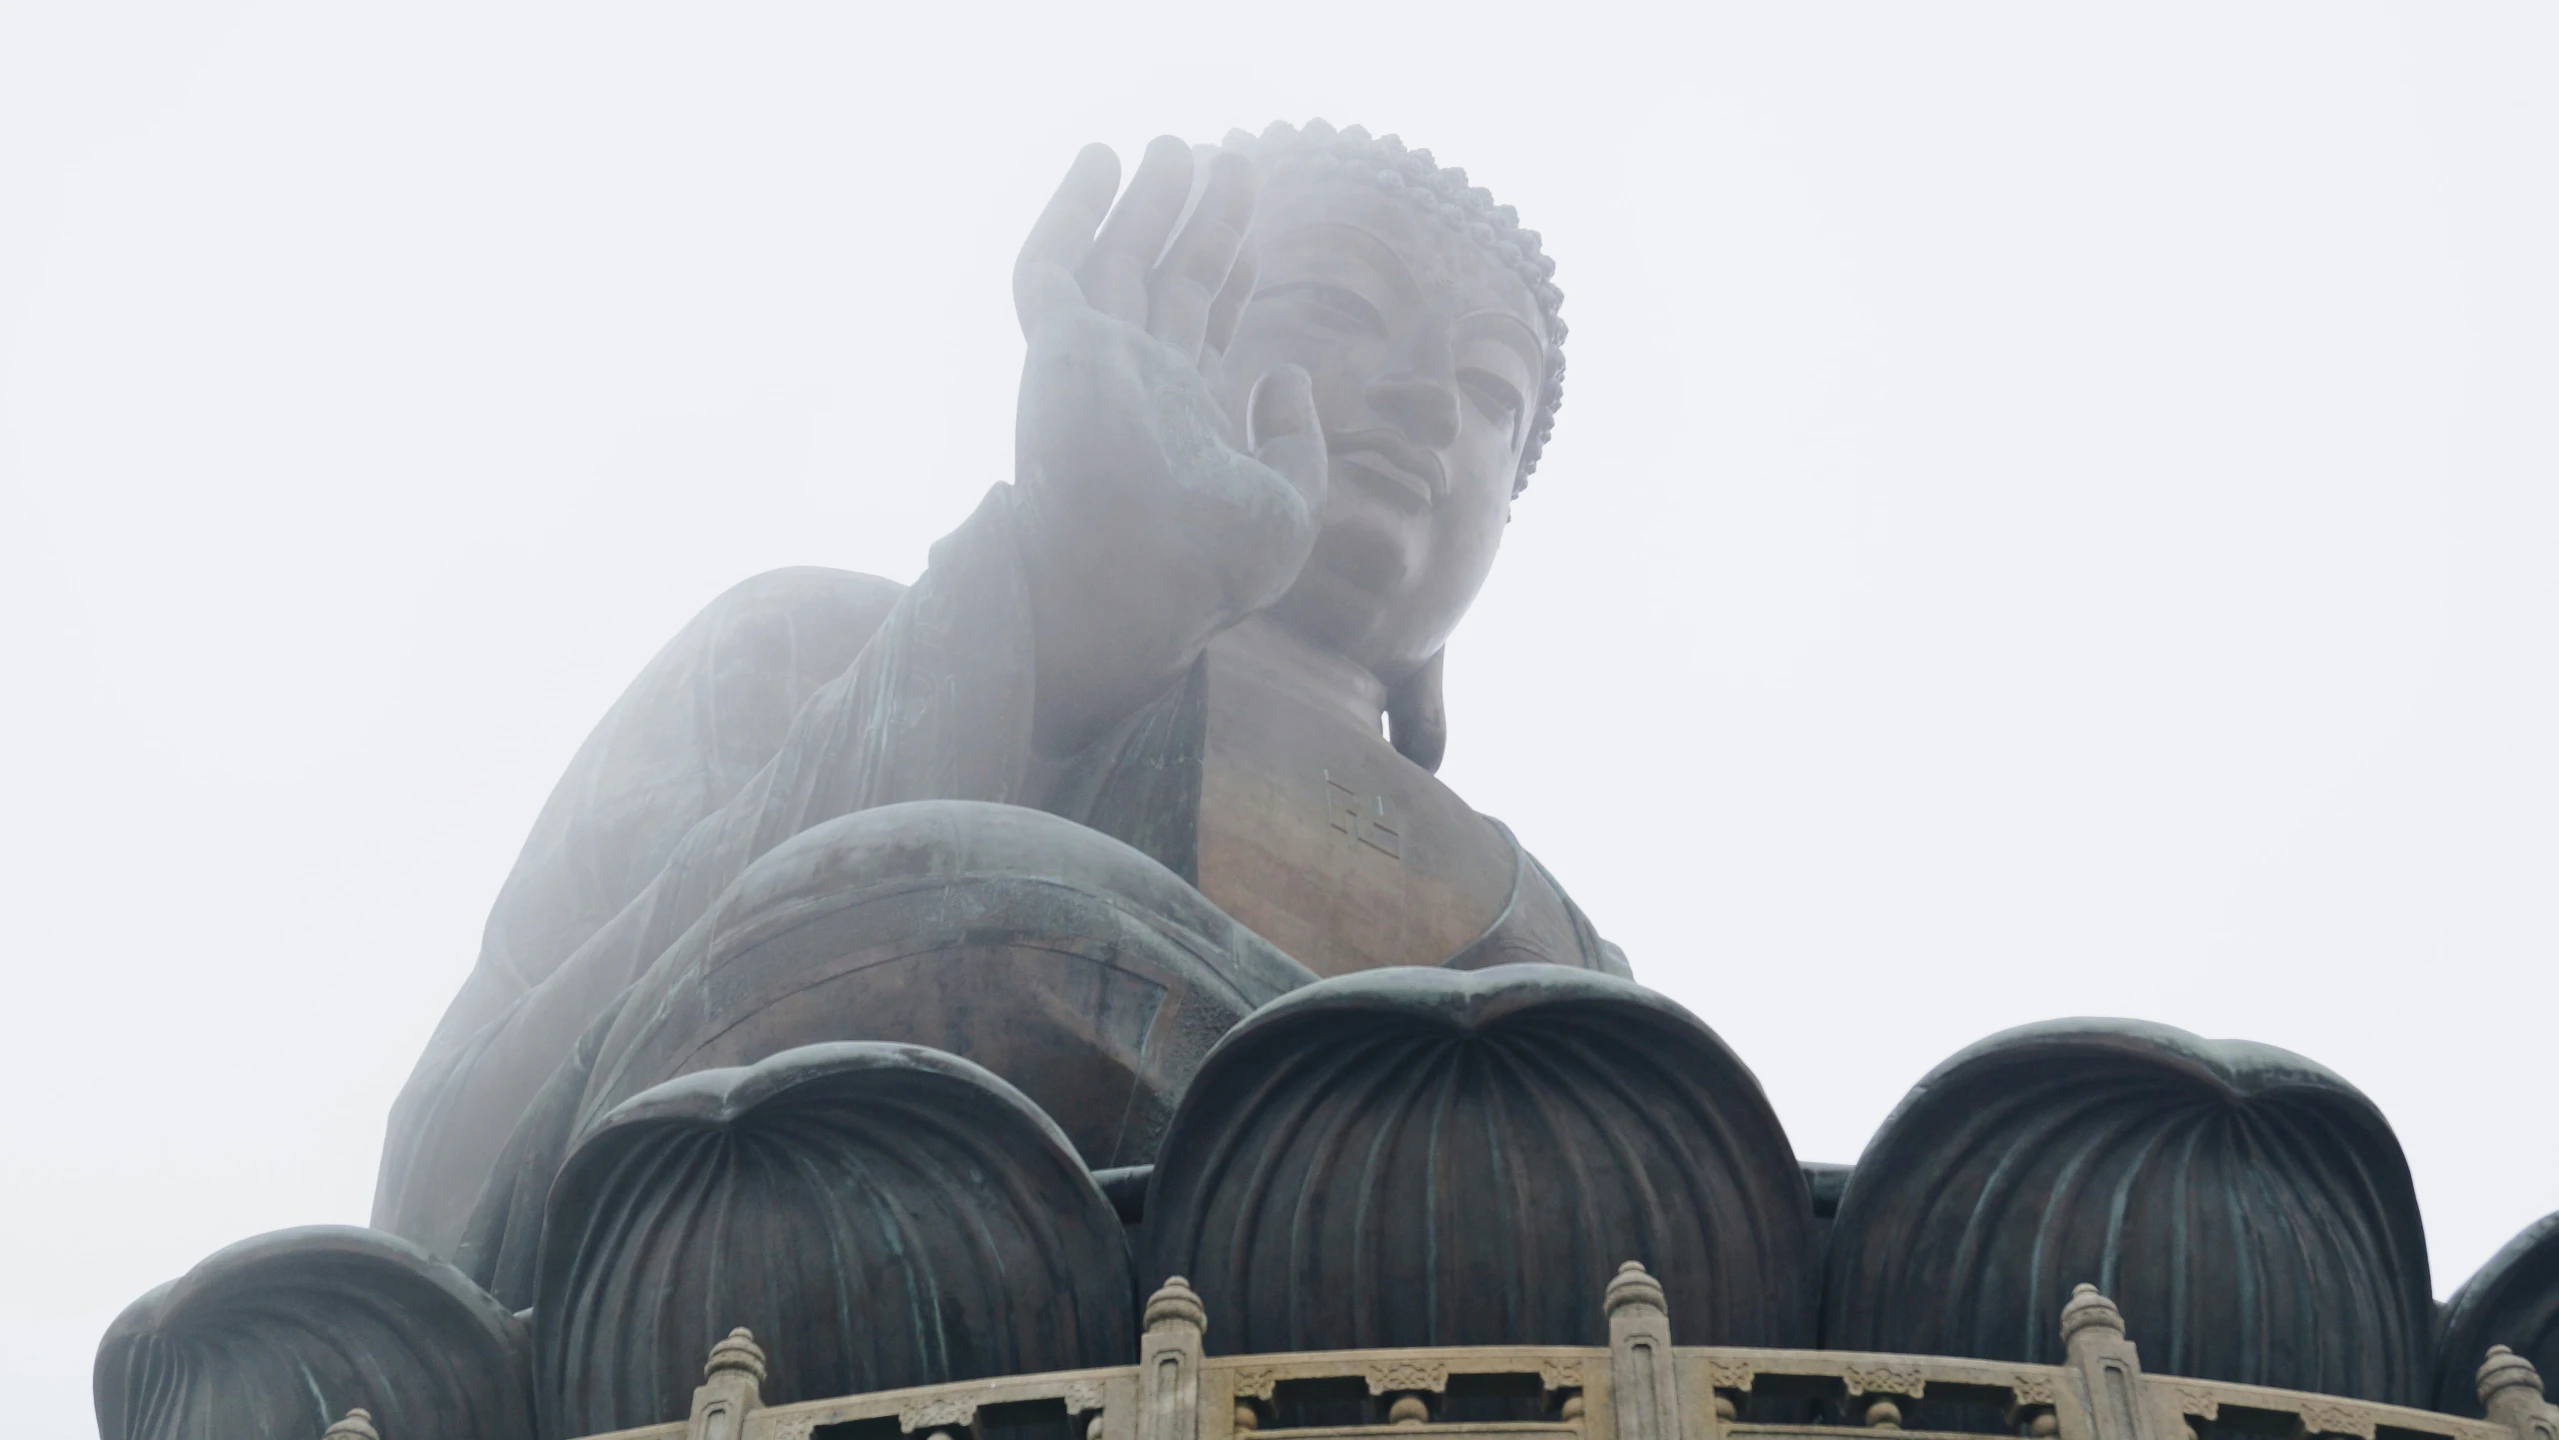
2055	514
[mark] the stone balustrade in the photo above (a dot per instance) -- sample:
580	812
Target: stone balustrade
1639	1387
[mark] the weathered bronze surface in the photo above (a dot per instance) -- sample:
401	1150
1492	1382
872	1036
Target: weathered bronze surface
278	1336
2252	1210
903	973
1416	1157
1237	539
2513	1301
886	1215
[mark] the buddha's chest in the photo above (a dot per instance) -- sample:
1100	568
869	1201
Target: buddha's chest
1331	845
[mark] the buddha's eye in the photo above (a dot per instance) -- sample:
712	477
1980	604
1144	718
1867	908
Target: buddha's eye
1494	396
1331	304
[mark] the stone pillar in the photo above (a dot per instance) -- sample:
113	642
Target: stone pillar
359	1425
1643	1391
732	1388
2510	1388
1168	1364
2092	1330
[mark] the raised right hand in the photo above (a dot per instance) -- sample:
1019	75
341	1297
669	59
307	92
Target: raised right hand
1122	447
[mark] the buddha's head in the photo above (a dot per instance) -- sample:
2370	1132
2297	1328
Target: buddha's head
1428	320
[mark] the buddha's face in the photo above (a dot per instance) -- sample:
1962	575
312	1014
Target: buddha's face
1427	355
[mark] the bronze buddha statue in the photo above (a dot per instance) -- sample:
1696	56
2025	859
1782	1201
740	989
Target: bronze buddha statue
1277	402
918	974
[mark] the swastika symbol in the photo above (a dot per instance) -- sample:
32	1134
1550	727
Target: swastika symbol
1363	818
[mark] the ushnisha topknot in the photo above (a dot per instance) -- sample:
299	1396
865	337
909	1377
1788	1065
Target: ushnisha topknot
1382	161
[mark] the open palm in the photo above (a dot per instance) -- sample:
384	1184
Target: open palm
1120	438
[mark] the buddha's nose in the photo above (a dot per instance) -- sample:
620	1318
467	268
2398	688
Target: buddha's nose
1422	406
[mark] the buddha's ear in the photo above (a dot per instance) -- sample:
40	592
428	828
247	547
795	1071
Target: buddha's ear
1417	715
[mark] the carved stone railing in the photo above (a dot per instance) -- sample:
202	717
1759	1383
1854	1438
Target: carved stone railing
1638	1387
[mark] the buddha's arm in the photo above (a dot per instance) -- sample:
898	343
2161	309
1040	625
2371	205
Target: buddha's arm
1148	523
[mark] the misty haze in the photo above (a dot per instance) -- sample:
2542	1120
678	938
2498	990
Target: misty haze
725	713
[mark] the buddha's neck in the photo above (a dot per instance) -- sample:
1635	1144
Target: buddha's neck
1265	654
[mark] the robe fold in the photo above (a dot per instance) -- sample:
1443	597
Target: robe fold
612	923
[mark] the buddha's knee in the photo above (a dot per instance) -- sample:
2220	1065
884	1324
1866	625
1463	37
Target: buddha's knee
1068	963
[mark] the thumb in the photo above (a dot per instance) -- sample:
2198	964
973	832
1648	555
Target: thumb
1283	432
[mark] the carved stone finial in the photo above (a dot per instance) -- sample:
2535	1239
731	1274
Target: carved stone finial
1168	1370
738	1352
1175	1302
2089	1310
2504	1370
1634	1286
359	1426
1408	1409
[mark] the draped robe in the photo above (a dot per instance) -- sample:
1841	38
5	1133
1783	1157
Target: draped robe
697	814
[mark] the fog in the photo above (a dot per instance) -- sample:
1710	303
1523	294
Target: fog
2054	513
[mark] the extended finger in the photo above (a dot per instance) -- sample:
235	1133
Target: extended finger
1229	306
1063	235
1114	274
1283	431
1195	269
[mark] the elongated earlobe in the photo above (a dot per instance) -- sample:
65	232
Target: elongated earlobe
1417	715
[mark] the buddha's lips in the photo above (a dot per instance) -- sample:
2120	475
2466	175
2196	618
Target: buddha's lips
1404	474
